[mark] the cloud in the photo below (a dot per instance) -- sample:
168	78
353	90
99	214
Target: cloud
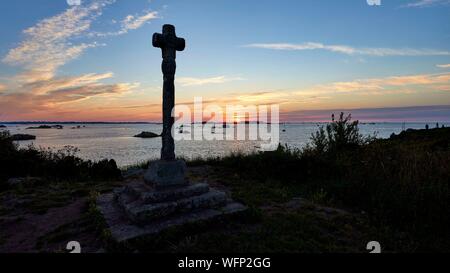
50	43
266	97
131	22
190	81
86	91
443	65
395	114
388	85
348	50
395	85
51	96
2	87
426	3
47	86
38	91
324	95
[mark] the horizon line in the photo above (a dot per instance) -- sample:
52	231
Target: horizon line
407	114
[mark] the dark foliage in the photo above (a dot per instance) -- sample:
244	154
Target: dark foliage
60	165
403	183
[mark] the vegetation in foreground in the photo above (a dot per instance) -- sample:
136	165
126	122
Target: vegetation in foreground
401	183
395	191
61	165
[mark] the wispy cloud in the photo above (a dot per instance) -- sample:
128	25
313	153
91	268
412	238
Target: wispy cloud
131	22
443	65
348	50
388	85
50	44
190	81
426	3
58	83
2	87
51	95
55	41
398	114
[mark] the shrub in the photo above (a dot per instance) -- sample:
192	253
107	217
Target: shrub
340	135
60	165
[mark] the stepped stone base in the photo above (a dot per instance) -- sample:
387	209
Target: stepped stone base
161	174
139	209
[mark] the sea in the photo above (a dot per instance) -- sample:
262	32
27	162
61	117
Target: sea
116	141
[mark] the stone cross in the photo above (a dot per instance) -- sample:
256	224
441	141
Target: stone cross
169	44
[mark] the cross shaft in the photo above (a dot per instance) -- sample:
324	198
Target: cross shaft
169	44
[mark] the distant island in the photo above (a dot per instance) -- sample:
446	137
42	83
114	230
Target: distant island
147	135
44	127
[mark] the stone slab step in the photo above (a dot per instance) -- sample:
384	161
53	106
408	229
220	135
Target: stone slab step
136	188
130	196
123	229
174	194
125	199
144	213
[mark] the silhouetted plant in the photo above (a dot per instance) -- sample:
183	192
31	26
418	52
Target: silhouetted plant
339	135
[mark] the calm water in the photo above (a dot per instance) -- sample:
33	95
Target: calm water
116	141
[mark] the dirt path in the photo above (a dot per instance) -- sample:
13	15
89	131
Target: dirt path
22	234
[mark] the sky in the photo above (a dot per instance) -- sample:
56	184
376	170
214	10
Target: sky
92	60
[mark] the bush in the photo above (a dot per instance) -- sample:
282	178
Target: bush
59	165
340	135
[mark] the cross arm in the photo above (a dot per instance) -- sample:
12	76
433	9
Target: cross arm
158	40
181	44
161	41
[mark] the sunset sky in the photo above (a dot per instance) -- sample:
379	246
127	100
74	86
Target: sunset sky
95	61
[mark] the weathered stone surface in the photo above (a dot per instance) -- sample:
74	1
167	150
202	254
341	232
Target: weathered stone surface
148	213
123	229
174	194
145	213
137	188
211	199
163	174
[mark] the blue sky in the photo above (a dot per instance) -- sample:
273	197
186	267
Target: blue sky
95	61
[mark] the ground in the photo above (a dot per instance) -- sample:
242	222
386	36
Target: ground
45	217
